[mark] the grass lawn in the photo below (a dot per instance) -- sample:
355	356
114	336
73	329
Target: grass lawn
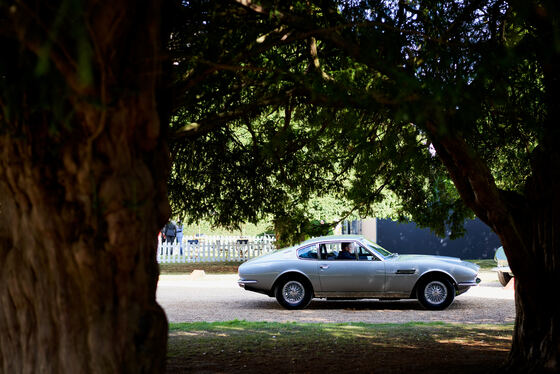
256	347
208	267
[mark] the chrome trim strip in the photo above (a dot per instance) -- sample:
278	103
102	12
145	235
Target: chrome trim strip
364	295
469	284
242	282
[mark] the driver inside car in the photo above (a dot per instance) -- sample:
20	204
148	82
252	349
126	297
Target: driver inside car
347	252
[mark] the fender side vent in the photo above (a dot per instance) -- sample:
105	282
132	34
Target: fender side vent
406	271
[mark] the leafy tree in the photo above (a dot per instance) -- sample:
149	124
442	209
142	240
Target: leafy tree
360	90
261	135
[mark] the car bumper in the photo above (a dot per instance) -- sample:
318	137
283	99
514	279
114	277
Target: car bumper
469	284
244	282
465	286
503	269
252	285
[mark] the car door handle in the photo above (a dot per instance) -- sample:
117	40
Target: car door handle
324	266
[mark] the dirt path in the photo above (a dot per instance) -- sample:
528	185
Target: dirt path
218	298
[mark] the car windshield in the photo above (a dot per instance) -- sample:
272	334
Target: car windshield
376	247
500	254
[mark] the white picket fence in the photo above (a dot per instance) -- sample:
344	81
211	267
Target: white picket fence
214	249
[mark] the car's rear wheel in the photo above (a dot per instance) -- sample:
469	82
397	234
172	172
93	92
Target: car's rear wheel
504	278
293	293
436	293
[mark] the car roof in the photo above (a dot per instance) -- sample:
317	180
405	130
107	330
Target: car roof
333	238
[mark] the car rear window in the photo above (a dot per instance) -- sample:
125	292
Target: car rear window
309	252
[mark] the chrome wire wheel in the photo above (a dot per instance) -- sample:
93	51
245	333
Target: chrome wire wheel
435	292
293	292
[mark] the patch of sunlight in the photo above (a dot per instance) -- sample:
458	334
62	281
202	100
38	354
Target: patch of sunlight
364	336
504	338
199	333
353	327
185	333
341	330
232	328
401	346
338	334
190	127
501	327
473	343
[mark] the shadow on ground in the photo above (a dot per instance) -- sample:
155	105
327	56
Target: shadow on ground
430	348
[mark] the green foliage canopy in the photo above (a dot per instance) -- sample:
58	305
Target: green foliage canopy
284	102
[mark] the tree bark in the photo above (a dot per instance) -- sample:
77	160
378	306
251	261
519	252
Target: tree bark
536	340
535	347
82	189
526	225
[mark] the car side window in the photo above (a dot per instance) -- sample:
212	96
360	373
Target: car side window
309	252
346	251
365	255
329	251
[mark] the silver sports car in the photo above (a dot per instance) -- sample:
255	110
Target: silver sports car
353	267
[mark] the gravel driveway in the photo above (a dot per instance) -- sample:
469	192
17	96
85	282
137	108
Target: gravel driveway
187	298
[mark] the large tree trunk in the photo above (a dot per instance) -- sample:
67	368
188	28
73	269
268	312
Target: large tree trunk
533	248
527	222
534	257
83	168
535	347
527	226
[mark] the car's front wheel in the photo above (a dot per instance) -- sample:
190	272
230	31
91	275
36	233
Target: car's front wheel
293	293
504	278
436	293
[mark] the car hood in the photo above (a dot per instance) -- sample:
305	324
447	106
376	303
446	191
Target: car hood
450	260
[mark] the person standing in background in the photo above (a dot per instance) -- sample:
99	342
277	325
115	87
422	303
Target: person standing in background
170	231
180	236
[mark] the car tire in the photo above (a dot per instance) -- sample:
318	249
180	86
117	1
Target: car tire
504	278
293	293
436	293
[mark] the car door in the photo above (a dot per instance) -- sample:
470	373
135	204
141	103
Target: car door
363	275
307	263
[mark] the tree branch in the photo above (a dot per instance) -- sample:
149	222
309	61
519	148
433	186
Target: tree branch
204	126
315	59
476	185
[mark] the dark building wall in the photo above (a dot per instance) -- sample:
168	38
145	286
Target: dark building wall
479	241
